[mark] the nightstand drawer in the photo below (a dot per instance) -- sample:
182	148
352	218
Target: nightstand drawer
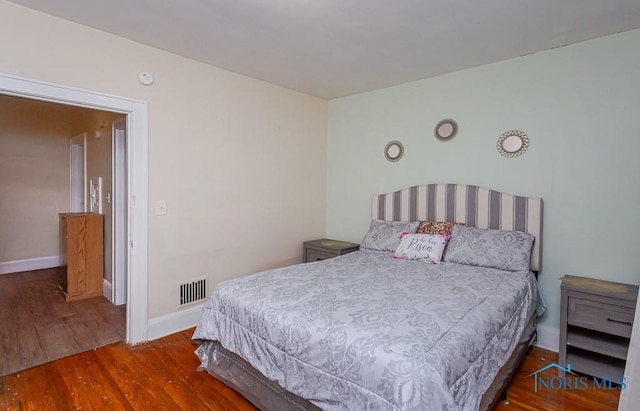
315	255
324	248
601	316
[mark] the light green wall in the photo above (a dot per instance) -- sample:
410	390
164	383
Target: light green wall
580	107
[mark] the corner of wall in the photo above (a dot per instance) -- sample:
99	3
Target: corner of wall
548	338
174	322
107	290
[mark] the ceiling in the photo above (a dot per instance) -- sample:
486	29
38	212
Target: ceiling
336	48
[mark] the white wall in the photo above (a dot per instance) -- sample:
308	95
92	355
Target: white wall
630	397
34	178
579	106
240	162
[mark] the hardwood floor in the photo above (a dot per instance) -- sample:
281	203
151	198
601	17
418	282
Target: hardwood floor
162	375
158	375
38	326
521	395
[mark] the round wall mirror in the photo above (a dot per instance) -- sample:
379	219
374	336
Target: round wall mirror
394	151
513	143
446	129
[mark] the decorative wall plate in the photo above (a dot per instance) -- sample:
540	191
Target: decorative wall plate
513	143
394	150
446	129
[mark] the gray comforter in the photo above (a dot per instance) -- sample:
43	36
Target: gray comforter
367	331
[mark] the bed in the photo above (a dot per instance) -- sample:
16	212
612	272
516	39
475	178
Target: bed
368	331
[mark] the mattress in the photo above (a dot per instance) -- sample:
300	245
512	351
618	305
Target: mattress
366	331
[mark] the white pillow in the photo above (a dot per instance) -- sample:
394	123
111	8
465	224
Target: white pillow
424	247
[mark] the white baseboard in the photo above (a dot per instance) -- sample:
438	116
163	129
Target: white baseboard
16	266
174	322
548	338
106	289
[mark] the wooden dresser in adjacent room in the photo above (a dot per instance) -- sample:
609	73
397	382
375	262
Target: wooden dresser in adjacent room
81	237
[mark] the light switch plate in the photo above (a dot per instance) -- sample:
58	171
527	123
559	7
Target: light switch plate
161	207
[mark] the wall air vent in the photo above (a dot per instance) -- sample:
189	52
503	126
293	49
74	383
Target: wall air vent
193	291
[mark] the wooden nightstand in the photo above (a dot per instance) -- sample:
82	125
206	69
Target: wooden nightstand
325	248
596	317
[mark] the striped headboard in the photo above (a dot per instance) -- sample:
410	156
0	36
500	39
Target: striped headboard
475	206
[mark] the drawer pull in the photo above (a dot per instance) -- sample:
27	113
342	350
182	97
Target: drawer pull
613	320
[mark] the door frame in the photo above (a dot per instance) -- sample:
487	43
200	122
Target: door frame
137	179
119	233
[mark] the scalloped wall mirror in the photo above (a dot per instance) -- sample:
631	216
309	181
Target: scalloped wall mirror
512	143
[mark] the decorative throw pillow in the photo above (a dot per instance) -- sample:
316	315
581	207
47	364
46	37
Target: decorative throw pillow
385	235
436	227
501	249
425	247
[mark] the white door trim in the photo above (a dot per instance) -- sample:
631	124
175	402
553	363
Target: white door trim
119	212
137	160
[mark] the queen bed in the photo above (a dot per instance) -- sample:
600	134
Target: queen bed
381	328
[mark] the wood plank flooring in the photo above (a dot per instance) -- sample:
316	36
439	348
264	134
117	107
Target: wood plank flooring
38	326
521	395
162	375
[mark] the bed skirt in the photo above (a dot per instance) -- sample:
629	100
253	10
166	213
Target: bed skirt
267	395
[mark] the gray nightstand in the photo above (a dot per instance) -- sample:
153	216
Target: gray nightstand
596	317
325	248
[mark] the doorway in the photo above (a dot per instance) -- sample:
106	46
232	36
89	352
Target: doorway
78	173
136	178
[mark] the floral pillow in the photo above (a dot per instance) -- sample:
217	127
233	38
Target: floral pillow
484	247
385	235
424	247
